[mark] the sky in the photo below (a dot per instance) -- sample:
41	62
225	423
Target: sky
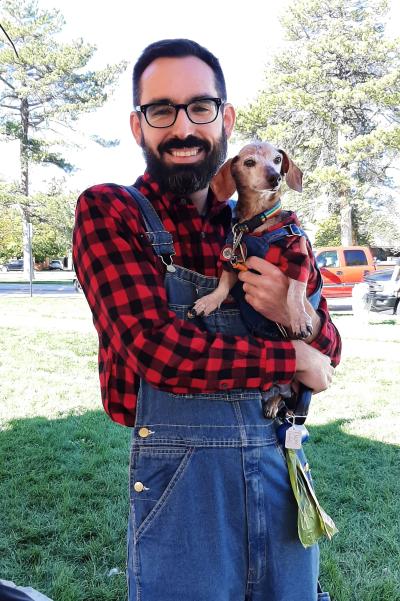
242	35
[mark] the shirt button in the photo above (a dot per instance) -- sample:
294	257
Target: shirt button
202	235
224	385
144	432
183	202
138	486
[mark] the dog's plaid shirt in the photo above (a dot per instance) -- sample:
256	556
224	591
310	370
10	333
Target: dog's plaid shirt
287	254
139	337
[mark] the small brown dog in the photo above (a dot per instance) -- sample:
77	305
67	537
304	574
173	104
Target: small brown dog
257	173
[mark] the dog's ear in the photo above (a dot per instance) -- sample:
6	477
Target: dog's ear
222	184
294	176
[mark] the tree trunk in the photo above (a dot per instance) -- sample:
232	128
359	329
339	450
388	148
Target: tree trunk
24	164
346	224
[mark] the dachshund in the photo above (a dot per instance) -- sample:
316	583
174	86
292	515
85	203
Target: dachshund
257	173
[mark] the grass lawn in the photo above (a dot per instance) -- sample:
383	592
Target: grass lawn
63	463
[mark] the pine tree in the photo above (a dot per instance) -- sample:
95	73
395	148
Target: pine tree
331	98
44	84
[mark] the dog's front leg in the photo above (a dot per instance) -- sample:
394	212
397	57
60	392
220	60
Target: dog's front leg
206	304
300	320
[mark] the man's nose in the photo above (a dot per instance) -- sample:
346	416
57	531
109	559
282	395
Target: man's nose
182	126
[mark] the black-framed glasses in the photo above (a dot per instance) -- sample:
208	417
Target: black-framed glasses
164	114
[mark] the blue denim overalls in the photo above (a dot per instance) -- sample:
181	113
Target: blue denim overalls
212	514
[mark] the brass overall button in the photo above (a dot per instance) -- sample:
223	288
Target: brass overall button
138	486
144	432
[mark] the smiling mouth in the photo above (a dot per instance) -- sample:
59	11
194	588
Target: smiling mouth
187	152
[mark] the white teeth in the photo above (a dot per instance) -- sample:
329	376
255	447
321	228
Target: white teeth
185	153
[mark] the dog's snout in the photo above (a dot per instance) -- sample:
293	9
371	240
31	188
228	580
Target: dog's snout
273	178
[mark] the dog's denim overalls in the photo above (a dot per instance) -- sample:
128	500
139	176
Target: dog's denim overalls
213	517
258	246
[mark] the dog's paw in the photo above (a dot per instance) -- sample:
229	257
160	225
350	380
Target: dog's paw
270	412
302	327
274	406
203	307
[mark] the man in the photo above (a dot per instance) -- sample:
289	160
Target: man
212	512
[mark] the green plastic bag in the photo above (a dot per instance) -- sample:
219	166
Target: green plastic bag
312	521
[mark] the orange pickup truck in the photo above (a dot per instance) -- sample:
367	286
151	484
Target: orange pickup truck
342	267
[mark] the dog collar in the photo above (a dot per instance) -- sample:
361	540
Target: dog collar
251	224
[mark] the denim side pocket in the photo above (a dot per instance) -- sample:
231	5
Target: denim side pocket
154	473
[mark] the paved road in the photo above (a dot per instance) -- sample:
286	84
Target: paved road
38	289
61	289
340	304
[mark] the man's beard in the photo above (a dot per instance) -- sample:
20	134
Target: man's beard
186	179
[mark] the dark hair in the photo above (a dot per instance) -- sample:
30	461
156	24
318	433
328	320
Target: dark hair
176	48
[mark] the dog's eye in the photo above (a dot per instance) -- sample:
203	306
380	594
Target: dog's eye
249	163
278	159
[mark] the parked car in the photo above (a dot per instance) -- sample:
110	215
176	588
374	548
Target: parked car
76	284
17	265
377	292
56	264
382	295
343	266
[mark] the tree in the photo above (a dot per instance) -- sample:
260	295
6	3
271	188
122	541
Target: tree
10	231
329	231
51	214
331	98
45	86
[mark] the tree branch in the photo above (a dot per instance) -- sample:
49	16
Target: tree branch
6	106
9	39
7	82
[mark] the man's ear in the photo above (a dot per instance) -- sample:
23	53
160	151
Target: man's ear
222	184
135	126
294	176
229	118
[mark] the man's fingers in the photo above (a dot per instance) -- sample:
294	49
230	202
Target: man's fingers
260	265
263	268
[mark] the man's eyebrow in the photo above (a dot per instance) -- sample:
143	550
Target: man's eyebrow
159	101
170	101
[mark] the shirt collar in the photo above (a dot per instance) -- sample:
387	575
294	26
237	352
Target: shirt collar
147	184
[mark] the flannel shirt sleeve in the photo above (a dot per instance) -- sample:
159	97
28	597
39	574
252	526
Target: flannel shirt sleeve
294	263
328	340
298	267
126	294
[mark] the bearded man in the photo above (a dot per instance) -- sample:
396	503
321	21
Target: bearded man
213	515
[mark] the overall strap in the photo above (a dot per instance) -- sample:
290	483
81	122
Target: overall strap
159	238
232	202
287	230
315	297
294	230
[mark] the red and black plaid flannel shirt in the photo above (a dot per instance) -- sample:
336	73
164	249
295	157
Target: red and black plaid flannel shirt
287	254
139	337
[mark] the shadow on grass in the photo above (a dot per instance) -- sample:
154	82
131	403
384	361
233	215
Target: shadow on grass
357	482
384	322
64	506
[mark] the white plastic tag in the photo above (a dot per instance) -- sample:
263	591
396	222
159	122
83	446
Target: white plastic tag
293	438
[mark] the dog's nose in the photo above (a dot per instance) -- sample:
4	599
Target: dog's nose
274	179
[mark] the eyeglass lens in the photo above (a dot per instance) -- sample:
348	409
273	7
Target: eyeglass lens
199	111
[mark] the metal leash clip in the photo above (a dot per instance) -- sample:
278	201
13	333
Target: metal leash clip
237	259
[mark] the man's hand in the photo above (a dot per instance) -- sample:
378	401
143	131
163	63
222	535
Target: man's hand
313	369
266	291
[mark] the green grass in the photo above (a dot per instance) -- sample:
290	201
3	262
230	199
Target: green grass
64	464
